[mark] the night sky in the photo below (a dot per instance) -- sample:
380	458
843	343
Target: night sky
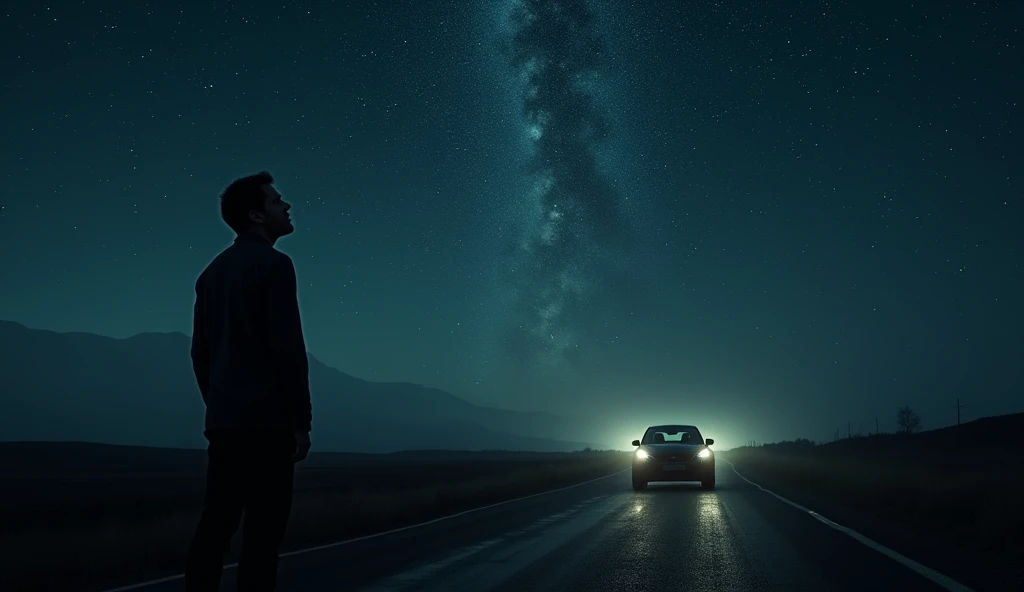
766	218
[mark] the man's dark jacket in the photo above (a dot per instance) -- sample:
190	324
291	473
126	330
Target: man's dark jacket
248	351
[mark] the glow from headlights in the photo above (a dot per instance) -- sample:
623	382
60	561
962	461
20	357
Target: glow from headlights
641	454
706	453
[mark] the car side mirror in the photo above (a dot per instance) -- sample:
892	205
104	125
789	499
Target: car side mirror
709	441
636	442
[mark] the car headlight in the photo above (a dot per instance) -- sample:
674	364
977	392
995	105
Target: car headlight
641	454
704	454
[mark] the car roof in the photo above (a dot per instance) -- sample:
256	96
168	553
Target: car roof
673	426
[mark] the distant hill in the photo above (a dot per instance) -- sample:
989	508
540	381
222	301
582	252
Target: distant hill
985	435
141	391
989	440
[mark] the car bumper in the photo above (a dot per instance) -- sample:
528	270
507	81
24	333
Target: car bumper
657	471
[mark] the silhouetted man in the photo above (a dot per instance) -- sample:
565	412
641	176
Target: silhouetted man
249	358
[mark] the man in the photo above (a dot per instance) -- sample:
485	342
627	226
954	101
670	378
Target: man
250	362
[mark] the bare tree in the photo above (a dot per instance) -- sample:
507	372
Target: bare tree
907	422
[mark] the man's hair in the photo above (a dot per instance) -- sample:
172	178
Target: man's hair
241	196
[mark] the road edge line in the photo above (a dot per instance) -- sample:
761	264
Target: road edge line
166	579
935	577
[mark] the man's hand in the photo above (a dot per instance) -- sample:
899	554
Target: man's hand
302	445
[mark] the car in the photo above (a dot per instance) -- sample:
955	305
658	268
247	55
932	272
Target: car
673	453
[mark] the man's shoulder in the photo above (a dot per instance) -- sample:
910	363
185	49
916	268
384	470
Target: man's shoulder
258	250
266	262
279	256
251	252
277	262
246	259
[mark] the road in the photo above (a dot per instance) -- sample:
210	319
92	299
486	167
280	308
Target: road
601	536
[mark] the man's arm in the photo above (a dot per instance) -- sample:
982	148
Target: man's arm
200	346
287	339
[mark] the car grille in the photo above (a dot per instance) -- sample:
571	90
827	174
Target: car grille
676	457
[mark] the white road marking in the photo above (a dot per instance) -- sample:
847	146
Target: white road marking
942	580
372	536
515	554
504	547
417	575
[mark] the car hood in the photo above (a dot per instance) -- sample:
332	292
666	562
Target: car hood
669	448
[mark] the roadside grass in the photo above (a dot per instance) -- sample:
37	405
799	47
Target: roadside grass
976	501
120	541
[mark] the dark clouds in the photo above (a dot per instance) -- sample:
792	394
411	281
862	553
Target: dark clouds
574	217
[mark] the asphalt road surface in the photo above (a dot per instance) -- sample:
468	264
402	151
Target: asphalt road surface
600	536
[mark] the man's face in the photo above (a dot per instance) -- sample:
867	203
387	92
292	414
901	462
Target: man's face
276	220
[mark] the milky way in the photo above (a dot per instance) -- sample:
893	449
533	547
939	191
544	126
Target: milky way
573	215
767	218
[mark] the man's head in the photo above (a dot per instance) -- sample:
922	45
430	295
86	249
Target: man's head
251	204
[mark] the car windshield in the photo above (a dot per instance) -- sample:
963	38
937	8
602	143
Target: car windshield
672	434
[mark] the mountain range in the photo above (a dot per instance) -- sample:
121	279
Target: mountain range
141	391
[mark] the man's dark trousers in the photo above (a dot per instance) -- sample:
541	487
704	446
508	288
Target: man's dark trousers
250	472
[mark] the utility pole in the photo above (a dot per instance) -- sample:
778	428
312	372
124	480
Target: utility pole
876	425
847	430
